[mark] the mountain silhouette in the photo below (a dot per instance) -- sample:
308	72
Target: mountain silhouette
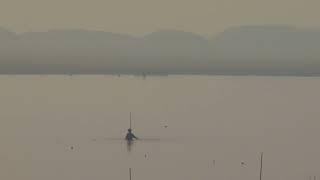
243	50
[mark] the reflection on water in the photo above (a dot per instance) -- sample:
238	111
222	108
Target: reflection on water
129	145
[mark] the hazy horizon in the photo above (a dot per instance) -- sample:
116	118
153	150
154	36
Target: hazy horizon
146	33
219	37
241	50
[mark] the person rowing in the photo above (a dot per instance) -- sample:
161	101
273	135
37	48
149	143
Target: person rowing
130	136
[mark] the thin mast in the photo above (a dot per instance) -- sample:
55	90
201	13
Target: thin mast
130	120
129	173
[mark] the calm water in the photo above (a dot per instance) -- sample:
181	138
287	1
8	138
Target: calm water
70	127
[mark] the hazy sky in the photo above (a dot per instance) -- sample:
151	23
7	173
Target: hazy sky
137	17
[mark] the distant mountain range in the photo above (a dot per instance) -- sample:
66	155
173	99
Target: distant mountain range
244	50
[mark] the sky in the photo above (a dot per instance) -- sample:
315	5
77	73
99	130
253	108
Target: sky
138	17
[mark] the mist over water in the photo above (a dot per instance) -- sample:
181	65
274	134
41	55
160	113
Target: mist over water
192	127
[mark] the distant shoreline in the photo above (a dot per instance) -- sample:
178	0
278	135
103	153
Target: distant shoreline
156	74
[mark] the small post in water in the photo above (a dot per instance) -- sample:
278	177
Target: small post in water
261	156
129	173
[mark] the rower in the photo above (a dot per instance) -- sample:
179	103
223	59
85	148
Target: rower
130	136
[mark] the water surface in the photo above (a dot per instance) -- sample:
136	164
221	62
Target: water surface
70	127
